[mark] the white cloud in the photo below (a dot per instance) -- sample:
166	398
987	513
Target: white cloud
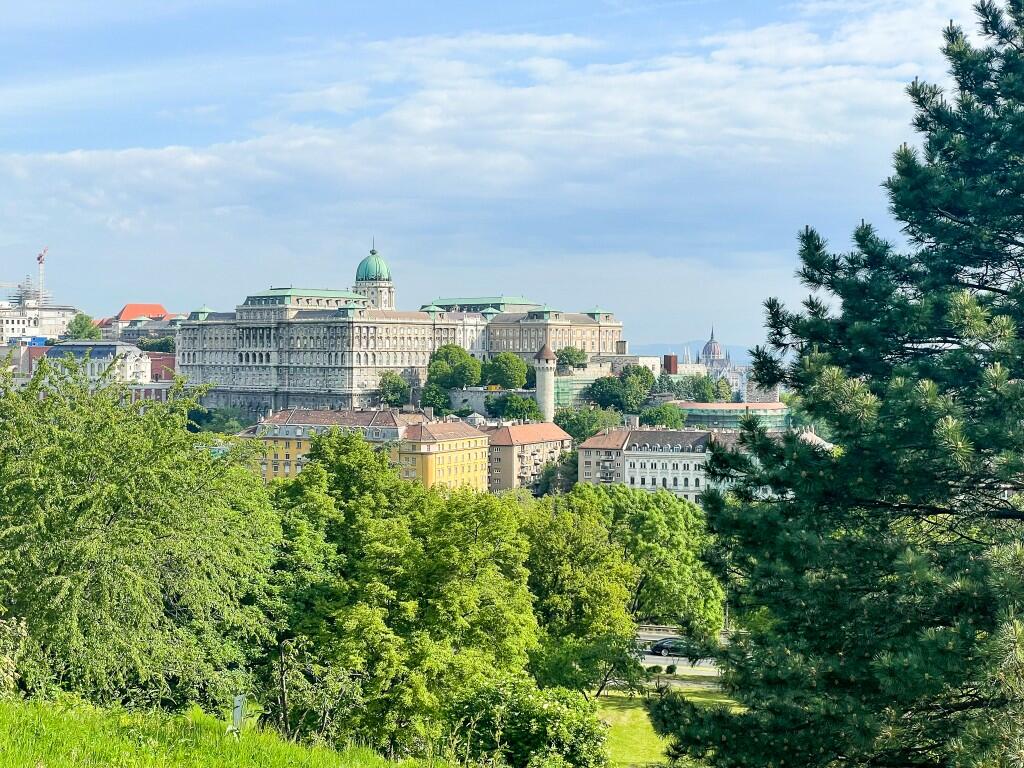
447	145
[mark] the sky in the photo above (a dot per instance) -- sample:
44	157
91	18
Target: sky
655	157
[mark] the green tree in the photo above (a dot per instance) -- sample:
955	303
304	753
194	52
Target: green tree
664	415
571	357
586	422
394	390
606	392
507	370
637	383
582	585
513	406
559	476
225	421
135	554
452	367
162	344
82	327
879	583
398	601
436	397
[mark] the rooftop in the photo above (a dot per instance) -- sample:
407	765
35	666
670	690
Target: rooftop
525	434
491	301
440	431
318	293
135	311
350	418
688	439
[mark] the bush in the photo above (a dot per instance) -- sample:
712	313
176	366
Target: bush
515	722
655	669
671	669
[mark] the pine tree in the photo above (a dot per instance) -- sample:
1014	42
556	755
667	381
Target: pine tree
877	585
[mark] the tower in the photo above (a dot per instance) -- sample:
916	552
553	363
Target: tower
545	362
373	280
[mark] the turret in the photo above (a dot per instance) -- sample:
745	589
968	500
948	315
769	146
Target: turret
545	363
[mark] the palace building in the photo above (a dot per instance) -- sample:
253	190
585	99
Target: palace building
317	348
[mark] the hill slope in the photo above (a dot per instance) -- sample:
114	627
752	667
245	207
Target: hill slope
44	735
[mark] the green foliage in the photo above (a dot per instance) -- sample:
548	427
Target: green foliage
604	559
698	388
513	406
436	397
512	722
559	476
163	344
582	584
880	581
626	393
507	370
452	367
664	415
82	327
394	390
224	421
133	554
398	600
586	422
571	357
68	733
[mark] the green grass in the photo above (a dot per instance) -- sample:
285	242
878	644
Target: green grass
631	738
47	735
632	742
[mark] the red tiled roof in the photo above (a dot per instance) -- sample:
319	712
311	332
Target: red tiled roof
131	312
325	418
441	430
525	434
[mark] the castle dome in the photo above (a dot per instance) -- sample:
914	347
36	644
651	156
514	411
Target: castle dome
373	268
712	350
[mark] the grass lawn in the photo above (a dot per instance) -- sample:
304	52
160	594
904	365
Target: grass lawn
45	735
632	742
631	739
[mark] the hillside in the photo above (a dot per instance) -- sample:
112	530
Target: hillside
44	735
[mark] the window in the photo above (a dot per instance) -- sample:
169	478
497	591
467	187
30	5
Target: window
643	481
675	482
696	482
632	480
686	482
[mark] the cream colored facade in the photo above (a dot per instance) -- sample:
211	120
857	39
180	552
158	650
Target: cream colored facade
310	348
519	452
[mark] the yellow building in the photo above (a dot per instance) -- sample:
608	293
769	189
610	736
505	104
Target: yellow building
449	453
286	434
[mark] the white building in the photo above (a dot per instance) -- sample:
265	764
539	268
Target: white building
23	315
650	459
120	362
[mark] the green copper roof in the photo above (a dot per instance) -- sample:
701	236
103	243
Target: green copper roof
431	308
372	268
318	293
488	301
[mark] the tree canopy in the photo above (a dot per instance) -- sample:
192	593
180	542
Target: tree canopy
507	370
698	388
878	583
162	344
626	393
394	390
512	406
135	554
452	367
82	328
664	415
571	357
584	422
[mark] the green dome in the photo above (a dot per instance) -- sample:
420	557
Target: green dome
373	268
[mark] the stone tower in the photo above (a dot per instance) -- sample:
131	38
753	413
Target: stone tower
545	362
373	280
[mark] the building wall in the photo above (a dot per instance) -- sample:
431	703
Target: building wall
519	466
453	463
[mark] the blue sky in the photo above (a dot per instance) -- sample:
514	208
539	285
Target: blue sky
654	157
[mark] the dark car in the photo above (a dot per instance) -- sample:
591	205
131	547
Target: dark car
672	646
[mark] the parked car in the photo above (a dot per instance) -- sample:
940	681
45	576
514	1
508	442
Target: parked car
672	646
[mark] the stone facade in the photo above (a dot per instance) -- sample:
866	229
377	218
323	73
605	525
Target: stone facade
300	348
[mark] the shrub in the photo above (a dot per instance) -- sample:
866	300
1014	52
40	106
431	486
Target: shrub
671	669
515	722
655	669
